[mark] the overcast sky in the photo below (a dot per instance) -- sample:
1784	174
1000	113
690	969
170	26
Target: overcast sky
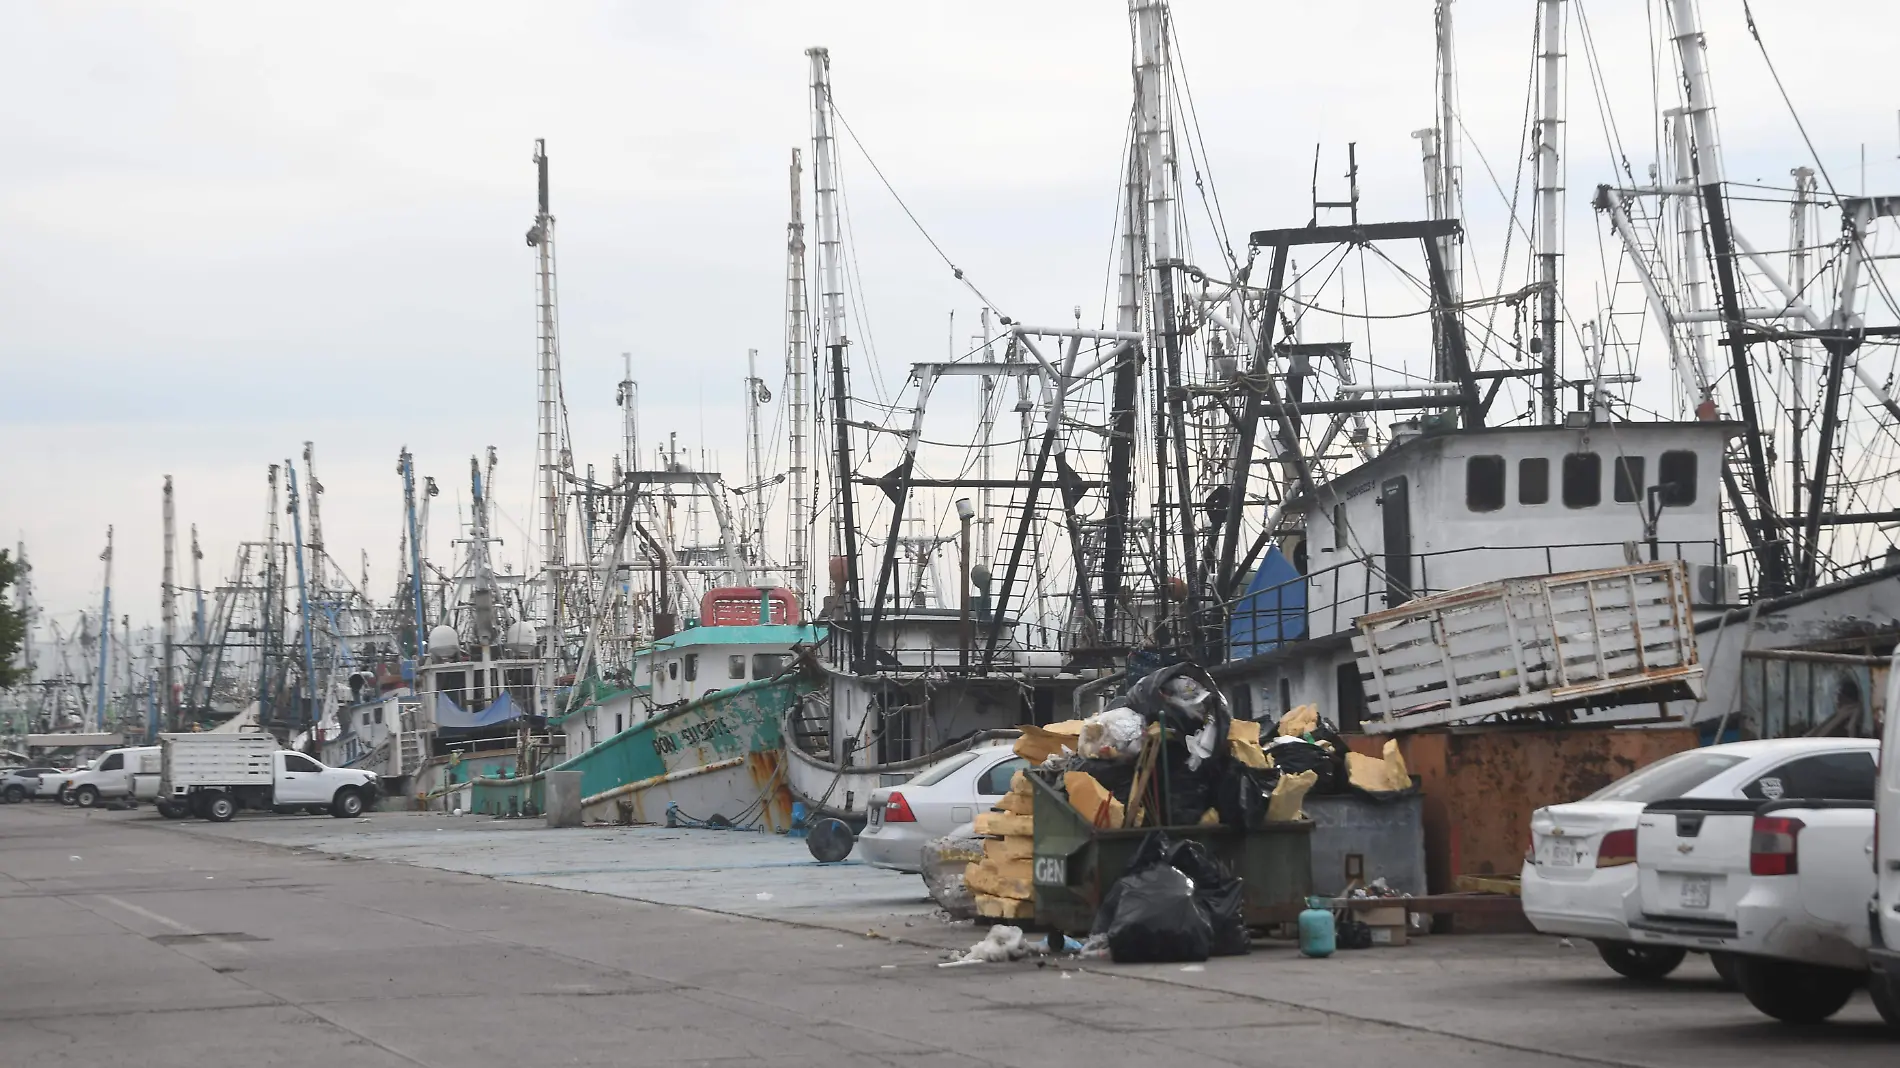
231	227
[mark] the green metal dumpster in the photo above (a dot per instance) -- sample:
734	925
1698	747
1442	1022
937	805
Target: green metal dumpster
1075	863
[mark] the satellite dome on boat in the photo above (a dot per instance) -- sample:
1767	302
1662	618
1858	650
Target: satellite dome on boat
444	642
519	639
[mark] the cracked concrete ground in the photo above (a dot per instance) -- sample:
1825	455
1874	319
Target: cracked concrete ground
125	939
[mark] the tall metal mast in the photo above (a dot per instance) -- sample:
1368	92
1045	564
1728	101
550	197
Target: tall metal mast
168	603
1155	136
553	549
798	410
628	397
1550	192
105	638
303	604
406	466
1121	416
831	308
1754	501
986	431
315	544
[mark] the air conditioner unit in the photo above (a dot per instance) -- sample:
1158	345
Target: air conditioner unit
1713	584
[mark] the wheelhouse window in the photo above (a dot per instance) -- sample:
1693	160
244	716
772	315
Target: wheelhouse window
767	665
735	666
1339	528
673	669
1533	480
1583	480
1675	472
1629	479
1484	483
692	667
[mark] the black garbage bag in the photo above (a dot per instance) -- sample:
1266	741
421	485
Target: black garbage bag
1241	794
1186	793
1116	776
1294	755
1153	917
1146	906
1219	895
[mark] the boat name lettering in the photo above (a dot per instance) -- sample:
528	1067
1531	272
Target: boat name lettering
693	735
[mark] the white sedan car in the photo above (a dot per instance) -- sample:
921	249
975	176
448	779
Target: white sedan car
1580	876
938	800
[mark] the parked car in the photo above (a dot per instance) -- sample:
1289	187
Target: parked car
936	801
1581	877
21	784
124	775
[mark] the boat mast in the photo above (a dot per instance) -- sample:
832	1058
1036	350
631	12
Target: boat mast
1550	194
553	549
1753	501
1156	138
985	434
1121	417
315	543
831	307
406	465
105	638
1439	147
168	601
798	414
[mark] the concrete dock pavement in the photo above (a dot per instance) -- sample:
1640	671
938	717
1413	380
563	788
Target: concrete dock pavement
126	939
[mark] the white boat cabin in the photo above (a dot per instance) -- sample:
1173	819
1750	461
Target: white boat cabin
1439	512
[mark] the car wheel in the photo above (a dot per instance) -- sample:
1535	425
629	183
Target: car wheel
1795	993
1647	963
65	796
218	808
1885	990
86	796
1725	968
16	794
348	804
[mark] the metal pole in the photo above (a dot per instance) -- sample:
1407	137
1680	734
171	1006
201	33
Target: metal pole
408	469
553	552
755	467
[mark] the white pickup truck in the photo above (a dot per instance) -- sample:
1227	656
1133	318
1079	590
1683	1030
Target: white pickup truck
1780	879
125	775
213	775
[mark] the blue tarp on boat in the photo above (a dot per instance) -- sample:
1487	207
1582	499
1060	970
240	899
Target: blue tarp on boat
1273	610
451	716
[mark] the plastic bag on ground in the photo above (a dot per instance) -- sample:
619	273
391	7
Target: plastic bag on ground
944	862
1003	943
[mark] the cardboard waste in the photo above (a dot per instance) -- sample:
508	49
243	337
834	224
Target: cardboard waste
1001	878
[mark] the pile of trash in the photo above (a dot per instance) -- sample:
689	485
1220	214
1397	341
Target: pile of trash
1174	903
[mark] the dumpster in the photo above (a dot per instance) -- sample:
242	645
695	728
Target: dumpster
1357	839
1075	862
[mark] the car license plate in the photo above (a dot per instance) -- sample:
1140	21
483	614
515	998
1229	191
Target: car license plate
1563	855
876	815
1695	892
